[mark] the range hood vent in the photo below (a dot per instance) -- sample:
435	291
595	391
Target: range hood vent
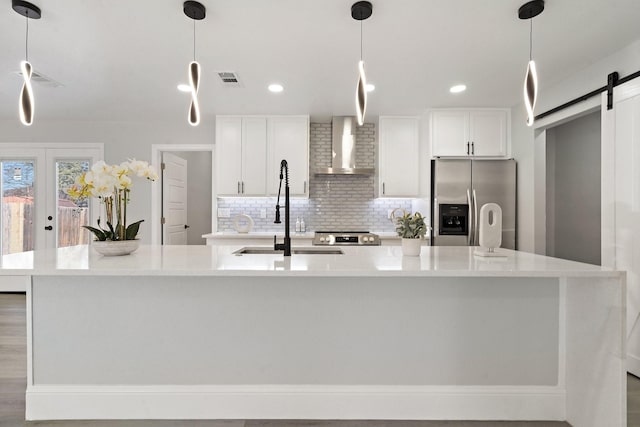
343	149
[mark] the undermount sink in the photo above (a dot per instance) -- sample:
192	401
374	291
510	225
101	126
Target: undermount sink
296	251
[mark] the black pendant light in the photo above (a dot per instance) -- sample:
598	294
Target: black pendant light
197	12
26	103
529	11
360	11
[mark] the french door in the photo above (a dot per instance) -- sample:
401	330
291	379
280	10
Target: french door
36	212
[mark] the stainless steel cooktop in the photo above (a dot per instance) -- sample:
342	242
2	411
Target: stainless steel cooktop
362	238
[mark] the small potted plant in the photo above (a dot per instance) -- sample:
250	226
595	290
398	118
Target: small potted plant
412	229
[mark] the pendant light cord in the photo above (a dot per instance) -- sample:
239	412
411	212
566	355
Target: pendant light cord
361	38
194	40
26	39
530	38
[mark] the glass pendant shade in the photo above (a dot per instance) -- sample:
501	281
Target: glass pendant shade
194	81
361	94
530	91
26	94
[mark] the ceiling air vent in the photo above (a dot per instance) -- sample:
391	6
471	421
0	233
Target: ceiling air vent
229	79
41	79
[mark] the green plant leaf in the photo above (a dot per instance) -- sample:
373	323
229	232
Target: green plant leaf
132	230
100	235
411	226
112	234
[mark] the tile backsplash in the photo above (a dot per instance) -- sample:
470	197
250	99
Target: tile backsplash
336	202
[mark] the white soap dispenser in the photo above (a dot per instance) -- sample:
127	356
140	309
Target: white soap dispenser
303	228
298	225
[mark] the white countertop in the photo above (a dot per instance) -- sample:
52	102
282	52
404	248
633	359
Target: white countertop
255	235
385	235
219	260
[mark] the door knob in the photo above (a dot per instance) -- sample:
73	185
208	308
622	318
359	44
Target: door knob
49	227
186	226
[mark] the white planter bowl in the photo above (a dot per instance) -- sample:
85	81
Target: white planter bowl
115	248
411	247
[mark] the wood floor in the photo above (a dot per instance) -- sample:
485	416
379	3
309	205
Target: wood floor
13	379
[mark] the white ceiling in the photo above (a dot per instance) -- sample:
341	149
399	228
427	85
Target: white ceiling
122	59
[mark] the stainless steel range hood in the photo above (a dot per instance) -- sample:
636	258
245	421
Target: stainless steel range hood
343	149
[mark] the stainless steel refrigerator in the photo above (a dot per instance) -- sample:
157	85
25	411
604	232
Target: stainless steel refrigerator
459	188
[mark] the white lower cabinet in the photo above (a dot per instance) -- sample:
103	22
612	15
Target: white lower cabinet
249	150
399	161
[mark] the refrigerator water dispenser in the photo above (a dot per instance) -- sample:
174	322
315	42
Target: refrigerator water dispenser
454	220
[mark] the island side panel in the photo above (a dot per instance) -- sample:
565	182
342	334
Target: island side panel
596	377
295	330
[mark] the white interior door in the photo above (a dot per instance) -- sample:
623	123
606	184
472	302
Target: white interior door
174	200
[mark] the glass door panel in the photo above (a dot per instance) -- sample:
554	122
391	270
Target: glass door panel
71	214
17	214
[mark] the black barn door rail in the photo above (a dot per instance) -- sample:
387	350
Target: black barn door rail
613	80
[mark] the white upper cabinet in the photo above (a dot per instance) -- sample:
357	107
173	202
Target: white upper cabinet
399	166
289	140
254	156
228	170
470	133
249	150
241	151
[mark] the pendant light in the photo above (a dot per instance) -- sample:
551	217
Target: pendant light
529	11
26	103
196	12
360	11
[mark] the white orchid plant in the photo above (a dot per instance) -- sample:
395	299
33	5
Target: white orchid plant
112	185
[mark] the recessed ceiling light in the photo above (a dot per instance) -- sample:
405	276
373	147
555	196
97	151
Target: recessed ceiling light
457	88
275	88
184	87
370	87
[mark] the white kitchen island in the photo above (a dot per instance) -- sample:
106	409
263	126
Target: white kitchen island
195	332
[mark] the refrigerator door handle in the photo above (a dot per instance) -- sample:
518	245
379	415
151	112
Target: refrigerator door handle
470	228
435	230
475	218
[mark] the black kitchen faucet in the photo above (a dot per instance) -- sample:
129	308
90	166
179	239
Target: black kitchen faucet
286	246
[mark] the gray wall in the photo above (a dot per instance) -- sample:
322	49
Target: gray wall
336	202
199	170
573	190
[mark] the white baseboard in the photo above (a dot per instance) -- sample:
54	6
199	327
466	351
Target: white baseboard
14	283
633	364
296	402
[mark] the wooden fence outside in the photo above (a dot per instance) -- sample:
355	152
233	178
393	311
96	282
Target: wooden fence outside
18	229
70	222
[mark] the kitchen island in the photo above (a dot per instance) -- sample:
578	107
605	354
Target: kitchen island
197	332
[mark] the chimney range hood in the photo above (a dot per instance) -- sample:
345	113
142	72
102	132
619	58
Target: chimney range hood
343	149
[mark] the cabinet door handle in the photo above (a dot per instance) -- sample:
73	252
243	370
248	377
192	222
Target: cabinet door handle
242	187
473	148
238	187
467	148
383	189
305	187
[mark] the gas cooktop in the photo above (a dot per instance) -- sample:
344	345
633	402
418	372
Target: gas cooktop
363	238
